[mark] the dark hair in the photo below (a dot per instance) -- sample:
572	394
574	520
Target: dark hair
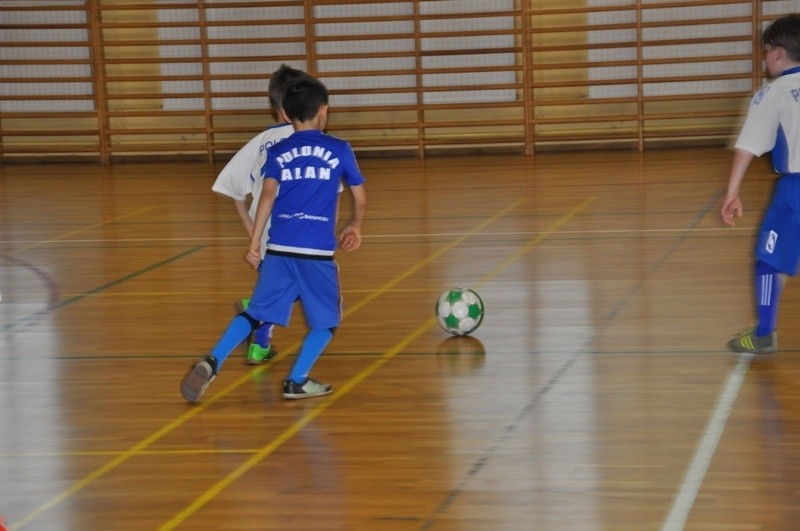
279	81
785	32
303	99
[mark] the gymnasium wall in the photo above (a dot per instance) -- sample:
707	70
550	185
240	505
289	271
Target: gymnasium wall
108	79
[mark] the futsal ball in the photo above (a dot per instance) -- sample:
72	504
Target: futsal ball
459	311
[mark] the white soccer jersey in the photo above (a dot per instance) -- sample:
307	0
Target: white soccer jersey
773	123
241	176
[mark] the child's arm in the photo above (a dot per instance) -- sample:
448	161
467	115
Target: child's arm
234	179
732	205
244	215
263	211
350	237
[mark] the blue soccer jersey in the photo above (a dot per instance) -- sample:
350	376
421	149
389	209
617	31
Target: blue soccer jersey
309	167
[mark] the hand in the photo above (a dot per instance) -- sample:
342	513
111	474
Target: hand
350	238
253	257
731	209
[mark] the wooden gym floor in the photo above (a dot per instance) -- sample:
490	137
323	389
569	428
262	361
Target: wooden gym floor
597	394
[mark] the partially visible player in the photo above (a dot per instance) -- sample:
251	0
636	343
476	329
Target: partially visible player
302	176
772	124
241	180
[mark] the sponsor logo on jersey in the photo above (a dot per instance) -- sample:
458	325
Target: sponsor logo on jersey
301	215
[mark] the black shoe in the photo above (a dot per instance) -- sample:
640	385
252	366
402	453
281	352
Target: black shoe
311	388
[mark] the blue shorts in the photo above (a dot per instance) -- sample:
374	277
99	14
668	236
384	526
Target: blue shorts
284	280
779	237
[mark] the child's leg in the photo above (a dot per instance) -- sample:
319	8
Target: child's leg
263	335
769	283
202	373
314	344
260	350
237	331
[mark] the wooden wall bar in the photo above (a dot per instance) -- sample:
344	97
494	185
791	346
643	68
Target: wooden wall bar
107	79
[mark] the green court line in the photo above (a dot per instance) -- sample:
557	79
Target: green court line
75	298
103	287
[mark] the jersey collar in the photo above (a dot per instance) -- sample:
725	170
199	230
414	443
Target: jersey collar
793	70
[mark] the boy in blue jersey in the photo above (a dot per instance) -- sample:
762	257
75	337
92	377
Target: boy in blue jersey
241	177
302	175
772	124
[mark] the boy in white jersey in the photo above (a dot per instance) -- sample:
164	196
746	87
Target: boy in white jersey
772	124
241	177
302	177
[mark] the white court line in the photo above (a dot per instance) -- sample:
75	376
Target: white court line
684	500
395	236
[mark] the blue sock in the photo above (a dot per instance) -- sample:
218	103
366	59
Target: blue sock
768	294
313	345
263	335
238	330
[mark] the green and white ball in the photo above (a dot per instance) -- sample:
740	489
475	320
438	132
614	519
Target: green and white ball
459	311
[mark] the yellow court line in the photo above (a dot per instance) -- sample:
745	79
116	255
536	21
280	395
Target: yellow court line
112	464
82	229
536	240
202	406
292	430
105	453
422	263
86	480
